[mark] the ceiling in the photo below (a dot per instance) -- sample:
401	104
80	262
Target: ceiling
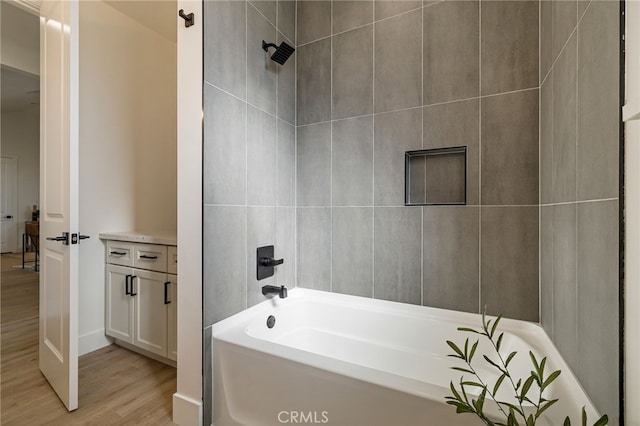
158	15
20	91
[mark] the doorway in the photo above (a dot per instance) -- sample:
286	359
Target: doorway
103	209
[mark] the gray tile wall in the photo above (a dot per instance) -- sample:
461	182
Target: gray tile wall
579	169
249	156
378	78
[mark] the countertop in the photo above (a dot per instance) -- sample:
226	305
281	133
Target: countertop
160	237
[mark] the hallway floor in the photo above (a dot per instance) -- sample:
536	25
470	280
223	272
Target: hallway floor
116	386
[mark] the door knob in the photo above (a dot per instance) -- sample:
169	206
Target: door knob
64	238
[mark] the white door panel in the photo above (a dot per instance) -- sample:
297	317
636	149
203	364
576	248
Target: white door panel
58	344
8	205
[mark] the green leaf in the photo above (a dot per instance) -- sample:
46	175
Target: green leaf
544	407
473	350
535	362
510	357
518	384
498	383
467	329
512	407
466	349
542	364
455	348
454	391
484	318
567	422
526	387
464	392
513	417
602	421
493	363
550	379
464	370
584	417
481	398
530	420
464	409
477	385
495	325
499	341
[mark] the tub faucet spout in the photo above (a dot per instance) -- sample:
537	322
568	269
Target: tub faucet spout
272	289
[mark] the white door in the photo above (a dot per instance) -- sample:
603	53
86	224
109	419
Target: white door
58	343
8	204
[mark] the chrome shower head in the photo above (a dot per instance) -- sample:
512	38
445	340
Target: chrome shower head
282	52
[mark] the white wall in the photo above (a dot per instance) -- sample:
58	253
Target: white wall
20	45
127	144
21	138
632	218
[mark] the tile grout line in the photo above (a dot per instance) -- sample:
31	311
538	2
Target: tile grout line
539	166
551	190
247	102
295	151
331	155
480	157
246	152
576	288
422	302
279	70
360	26
373	153
423	106
269	20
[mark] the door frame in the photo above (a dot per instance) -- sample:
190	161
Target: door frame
187	401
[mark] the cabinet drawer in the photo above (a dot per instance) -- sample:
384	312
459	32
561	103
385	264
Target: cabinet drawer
172	259
151	257
119	253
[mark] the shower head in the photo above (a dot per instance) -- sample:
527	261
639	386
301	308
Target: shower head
281	53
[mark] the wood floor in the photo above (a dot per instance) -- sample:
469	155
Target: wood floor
116	386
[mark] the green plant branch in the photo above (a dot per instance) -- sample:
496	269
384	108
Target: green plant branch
521	389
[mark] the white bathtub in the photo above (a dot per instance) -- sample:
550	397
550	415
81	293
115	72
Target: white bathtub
345	360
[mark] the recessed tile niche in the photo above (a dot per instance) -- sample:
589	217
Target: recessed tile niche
436	177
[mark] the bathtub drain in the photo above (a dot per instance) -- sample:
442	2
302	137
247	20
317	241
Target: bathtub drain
271	321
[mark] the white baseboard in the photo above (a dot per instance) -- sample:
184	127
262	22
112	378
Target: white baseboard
93	341
186	411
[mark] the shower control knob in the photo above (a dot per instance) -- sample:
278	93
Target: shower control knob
270	261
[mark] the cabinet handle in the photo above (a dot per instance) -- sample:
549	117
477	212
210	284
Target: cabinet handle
126	285
144	256
133	277
118	253
166	292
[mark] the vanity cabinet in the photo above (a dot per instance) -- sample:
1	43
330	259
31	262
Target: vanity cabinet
141	296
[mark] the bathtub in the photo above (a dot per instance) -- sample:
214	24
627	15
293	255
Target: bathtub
345	360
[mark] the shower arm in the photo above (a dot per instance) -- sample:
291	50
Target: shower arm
266	46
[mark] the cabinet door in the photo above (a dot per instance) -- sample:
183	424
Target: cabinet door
119	321
150	311
172	332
